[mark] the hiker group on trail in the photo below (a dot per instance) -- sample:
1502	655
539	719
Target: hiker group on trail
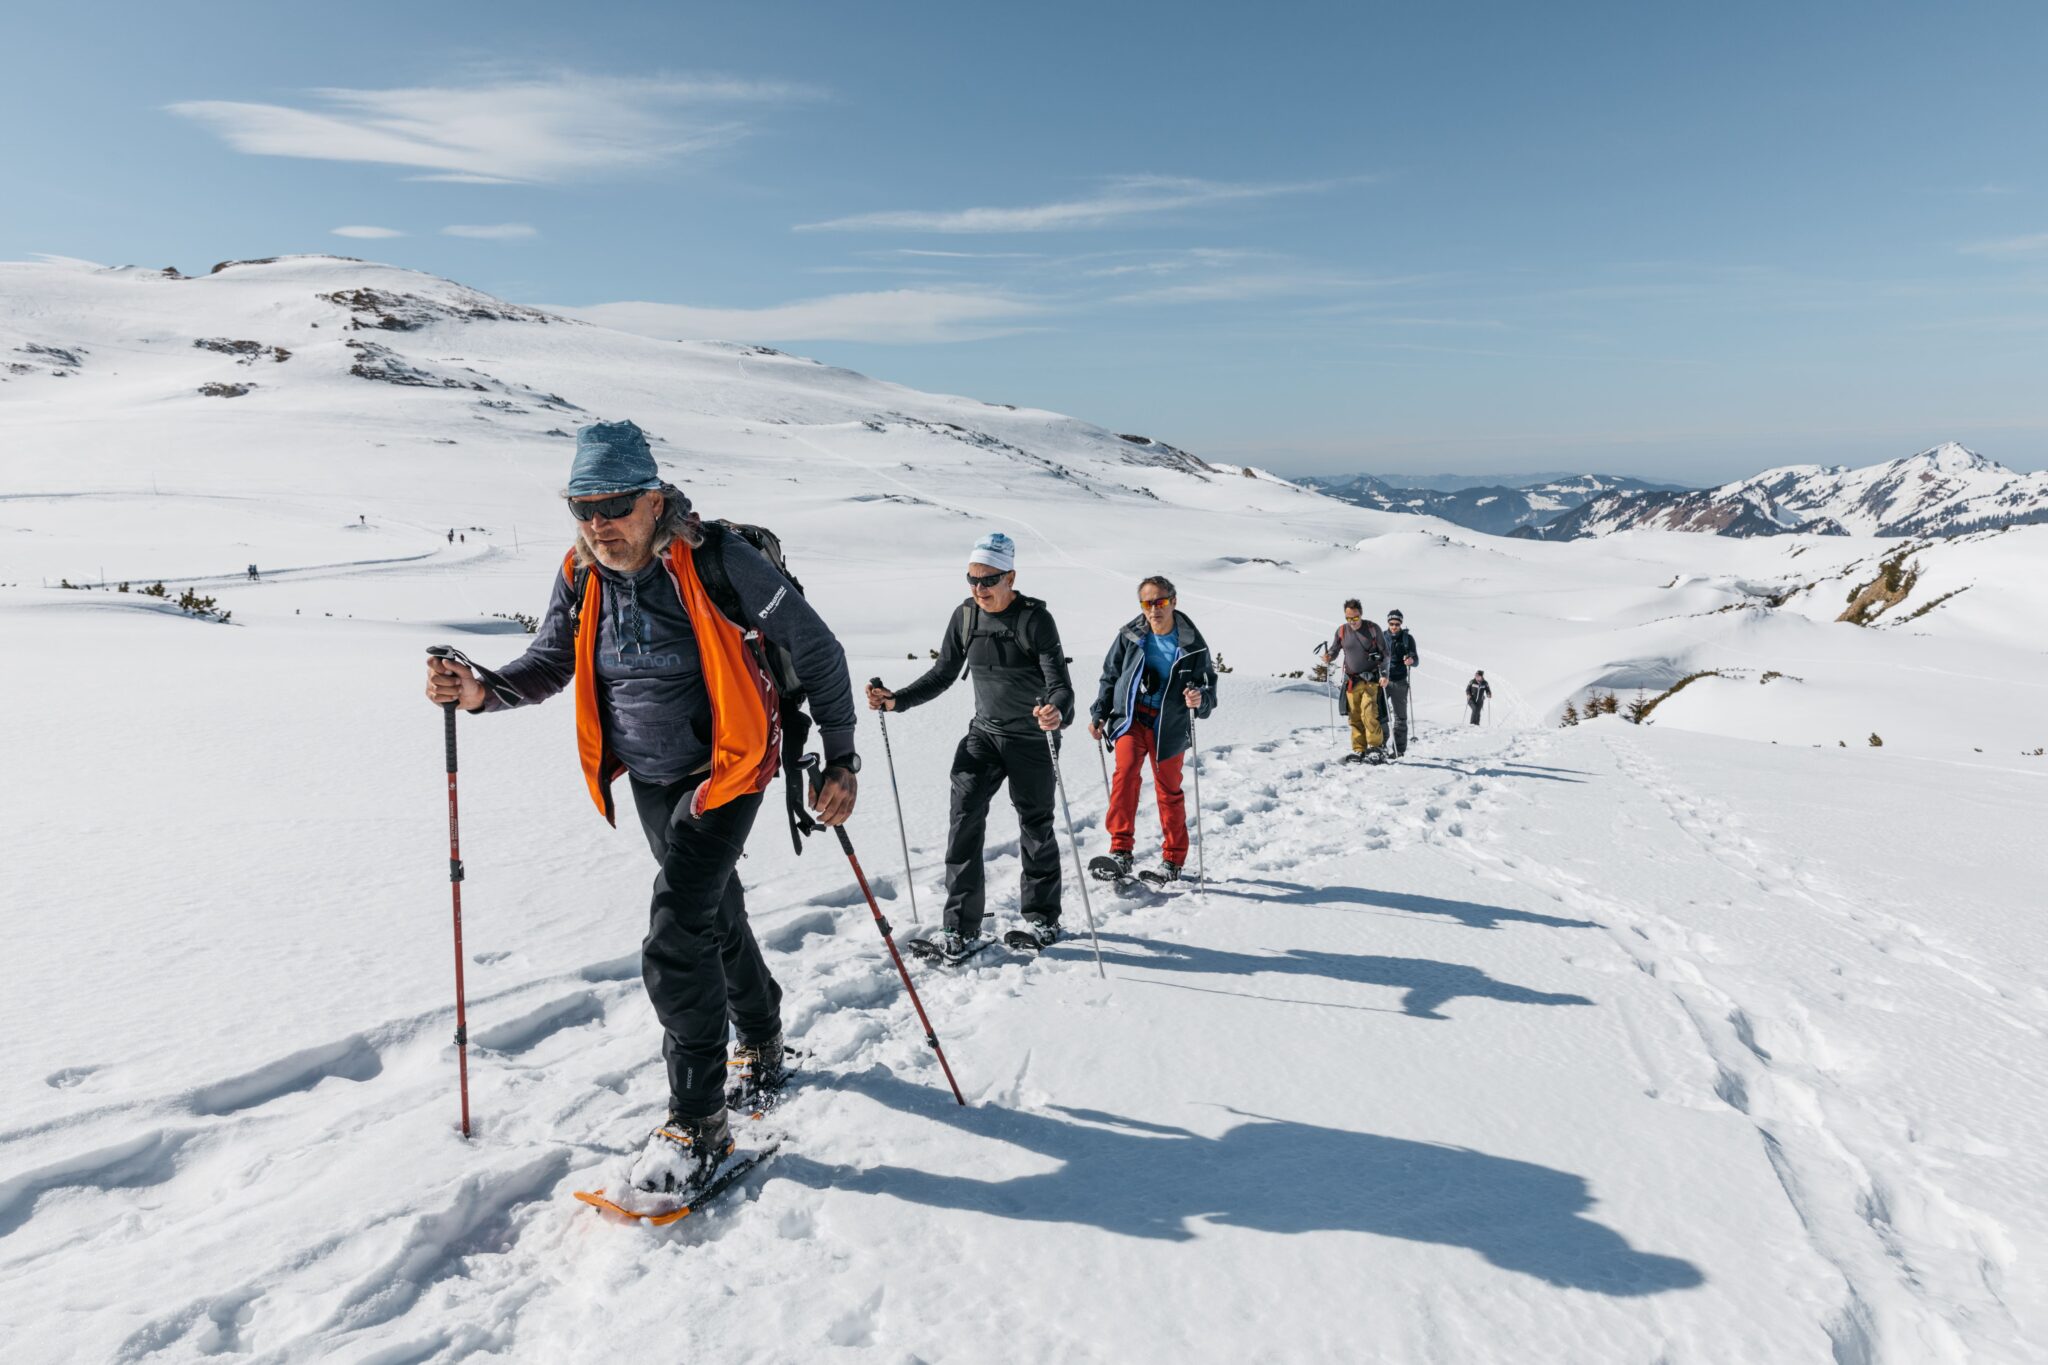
698	668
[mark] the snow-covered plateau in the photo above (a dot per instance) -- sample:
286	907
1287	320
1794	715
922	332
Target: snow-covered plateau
1717	1038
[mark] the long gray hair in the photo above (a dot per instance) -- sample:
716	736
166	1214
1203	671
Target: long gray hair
678	522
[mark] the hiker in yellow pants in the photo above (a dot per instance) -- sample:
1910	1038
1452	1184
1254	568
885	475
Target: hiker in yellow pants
1363	650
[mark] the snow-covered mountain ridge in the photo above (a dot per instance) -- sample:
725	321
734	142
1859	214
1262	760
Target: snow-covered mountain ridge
1945	490
1497	508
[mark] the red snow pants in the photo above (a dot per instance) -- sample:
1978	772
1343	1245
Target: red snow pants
1138	746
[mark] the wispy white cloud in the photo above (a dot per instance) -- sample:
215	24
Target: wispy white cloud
906	316
510	131
360	230
1241	288
1120	199
963	255
2033	244
491	232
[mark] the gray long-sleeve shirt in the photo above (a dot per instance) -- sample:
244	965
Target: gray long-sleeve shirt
1016	658
657	716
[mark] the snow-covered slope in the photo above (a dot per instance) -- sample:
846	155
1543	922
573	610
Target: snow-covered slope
1947	490
1720	1038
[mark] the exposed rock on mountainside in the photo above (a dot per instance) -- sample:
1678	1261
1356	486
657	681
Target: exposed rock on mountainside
392	312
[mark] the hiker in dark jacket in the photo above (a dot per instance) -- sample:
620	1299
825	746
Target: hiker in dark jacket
1477	693
670	691
1022	692
1401	656
1157	679
1363	649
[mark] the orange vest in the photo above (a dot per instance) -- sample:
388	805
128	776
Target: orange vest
746	711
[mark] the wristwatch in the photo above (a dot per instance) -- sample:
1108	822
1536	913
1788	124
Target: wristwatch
850	763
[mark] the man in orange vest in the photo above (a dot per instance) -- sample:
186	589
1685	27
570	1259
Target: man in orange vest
658	620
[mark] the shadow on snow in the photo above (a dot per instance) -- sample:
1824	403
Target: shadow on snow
1142	1179
1469	913
1427	985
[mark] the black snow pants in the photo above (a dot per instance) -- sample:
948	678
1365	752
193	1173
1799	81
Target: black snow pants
980	765
1396	693
699	960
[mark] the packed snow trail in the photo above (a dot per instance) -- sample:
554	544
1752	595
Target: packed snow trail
1412	1076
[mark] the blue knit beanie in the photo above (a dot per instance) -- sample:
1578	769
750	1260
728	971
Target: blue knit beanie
611	457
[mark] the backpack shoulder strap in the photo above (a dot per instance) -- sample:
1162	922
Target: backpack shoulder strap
710	561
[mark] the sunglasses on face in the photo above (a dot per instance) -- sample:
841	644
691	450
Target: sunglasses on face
611	508
985	580
1150	602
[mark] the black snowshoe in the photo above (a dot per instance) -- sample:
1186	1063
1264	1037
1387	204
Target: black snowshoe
1036	936
948	949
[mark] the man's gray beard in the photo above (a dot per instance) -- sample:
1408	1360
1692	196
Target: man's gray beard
635	561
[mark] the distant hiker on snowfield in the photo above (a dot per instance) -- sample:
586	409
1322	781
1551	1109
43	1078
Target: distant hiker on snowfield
1022	692
1401	656
1477	694
1364	652
451	535
644	624
252	573
1156	677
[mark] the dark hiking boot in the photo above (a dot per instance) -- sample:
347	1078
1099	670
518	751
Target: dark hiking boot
760	1068
1352	758
1375	755
955	946
682	1155
1124	862
1167	871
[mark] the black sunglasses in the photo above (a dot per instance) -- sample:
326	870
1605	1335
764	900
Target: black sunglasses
611	508
986	580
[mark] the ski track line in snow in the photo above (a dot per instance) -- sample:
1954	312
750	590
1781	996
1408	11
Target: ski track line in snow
1844	1192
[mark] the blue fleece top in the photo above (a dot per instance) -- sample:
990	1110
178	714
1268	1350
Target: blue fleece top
1160	652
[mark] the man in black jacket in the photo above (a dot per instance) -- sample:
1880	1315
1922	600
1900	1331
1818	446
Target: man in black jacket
1021	693
1401	656
1157	680
1477	693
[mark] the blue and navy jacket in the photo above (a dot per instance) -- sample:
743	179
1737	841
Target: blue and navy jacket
1123	681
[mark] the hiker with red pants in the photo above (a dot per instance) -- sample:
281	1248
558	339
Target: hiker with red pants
1157	679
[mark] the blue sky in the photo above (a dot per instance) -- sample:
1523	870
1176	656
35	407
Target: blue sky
1679	241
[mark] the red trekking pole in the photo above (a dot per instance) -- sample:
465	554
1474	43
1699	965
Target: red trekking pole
881	923
455	890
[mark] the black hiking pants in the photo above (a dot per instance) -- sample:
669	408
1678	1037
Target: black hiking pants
1397	713
699	960
980	765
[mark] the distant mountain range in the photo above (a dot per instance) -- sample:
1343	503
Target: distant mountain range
1498	508
1943	491
1947	490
